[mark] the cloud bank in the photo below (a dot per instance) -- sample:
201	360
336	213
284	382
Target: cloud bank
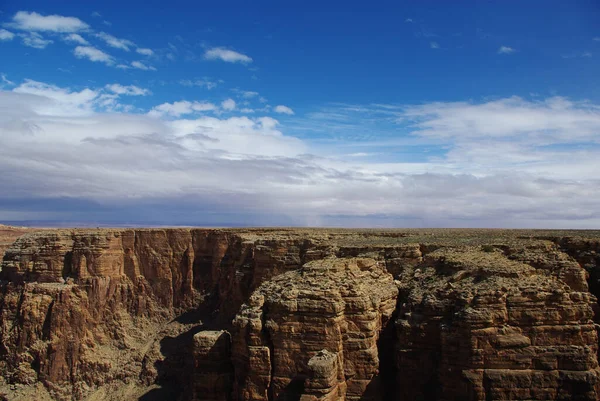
72	154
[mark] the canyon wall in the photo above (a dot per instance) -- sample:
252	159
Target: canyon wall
276	314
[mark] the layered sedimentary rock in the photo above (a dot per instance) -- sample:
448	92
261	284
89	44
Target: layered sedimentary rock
477	323
8	235
213	371
336	305
300	314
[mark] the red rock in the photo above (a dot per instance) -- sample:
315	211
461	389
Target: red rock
481	314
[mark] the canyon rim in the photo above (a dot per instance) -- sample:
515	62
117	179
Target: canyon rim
299	314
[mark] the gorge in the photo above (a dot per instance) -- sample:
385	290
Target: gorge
299	314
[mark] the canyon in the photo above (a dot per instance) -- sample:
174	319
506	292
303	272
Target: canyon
299	314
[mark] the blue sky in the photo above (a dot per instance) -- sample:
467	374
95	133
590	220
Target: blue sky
458	114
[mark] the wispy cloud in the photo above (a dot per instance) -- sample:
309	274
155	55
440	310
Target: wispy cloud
553	120
506	50
93	54
577	55
409	20
32	21
6	35
129	90
115	42
6	81
35	40
141	66
281	109
64	101
75	38
177	109
228	104
203	83
245	94
434	45
229	56
144	51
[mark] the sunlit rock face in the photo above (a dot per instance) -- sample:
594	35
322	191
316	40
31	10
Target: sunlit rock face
335	305
257	314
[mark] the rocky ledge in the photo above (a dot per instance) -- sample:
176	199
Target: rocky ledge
299	314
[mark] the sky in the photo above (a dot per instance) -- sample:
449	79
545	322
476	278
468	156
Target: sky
345	114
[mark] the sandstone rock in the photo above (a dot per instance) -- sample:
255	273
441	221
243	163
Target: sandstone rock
323	381
339	305
498	332
113	314
8	235
212	366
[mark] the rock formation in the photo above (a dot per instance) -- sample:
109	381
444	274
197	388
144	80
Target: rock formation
8	235
335	305
276	314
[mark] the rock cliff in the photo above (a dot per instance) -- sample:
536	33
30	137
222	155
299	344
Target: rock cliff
8	235
292	314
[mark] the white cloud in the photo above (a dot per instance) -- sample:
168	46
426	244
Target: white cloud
434	45
553	120
597	39
228	104
144	51
117	43
576	55
6	81
141	66
76	38
68	102
96	14
6	35
35	40
93	54
51	100
505	50
281	109
177	109
223	54
32	21
408	20
245	94
206	83
507	162
129	90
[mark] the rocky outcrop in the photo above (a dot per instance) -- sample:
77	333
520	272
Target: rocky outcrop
212	366
476	323
8	235
336	305
300	314
324	378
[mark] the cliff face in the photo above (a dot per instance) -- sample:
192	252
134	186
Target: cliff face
8	235
299	315
333	306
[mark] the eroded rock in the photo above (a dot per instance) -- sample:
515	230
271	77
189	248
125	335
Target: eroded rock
337	305
308	314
